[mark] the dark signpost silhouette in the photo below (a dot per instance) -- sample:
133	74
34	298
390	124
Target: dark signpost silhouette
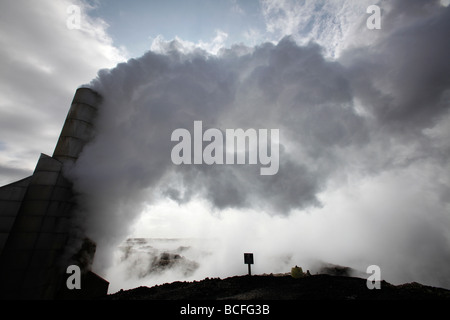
248	259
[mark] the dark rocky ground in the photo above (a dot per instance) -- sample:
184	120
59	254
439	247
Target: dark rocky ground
270	287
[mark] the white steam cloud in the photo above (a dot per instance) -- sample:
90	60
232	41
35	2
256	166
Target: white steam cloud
363	162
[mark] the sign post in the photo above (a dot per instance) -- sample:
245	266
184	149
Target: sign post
248	259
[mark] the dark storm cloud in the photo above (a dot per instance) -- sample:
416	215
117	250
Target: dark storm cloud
404	78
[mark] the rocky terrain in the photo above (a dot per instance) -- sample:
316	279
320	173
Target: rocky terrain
285	287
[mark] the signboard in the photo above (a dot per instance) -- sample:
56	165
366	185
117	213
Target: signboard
248	258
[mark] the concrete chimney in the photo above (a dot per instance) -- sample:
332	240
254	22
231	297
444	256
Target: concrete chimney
78	128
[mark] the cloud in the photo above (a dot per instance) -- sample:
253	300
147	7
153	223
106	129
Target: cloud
147	98
160	45
405	83
42	62
333	24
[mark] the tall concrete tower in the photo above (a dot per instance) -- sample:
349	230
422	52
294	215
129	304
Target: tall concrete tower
35	213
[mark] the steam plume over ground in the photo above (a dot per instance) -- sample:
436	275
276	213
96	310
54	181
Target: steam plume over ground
364	153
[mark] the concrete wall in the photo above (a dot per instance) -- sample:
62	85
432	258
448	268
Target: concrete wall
38	235
35	212
11	197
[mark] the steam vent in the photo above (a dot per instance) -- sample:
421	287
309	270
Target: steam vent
35	220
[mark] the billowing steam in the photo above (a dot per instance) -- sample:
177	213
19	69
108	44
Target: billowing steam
363	158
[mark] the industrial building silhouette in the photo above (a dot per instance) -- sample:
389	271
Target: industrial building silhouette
35	219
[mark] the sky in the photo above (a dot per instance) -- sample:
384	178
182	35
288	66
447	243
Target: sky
363	116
